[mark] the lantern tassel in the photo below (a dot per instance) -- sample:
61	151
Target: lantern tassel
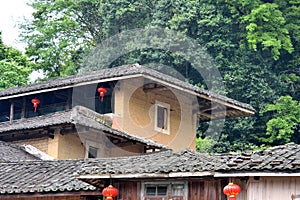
35	106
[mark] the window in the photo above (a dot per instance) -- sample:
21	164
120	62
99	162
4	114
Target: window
162	117
93	152
177	190
156	190
92	149
164	190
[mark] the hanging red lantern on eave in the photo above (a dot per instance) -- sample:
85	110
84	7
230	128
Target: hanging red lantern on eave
102	91
110	192
35	103
231	190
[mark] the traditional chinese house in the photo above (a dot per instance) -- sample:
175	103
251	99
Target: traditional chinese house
126	107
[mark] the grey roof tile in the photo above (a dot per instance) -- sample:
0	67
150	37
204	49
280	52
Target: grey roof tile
119	72
41	176
158	162
275	159
78	116
13	153
279	158
59	175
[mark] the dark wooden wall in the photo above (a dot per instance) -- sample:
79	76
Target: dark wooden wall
197	190
206	190
129	191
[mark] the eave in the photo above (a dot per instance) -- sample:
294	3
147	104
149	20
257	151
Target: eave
258	174
226	107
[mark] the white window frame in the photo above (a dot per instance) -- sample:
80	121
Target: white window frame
94	145
167	117
169	188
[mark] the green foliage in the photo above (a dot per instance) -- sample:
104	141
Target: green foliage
285	120
254	43
14	67
63	32
12	74
204	145
266	27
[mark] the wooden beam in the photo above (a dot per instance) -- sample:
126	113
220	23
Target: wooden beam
69	100
208	108
262	174
11	115
155	89
204	114
83	83
146	175
23	107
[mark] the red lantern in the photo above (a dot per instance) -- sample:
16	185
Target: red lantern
110	192
102	92
35	103
231	190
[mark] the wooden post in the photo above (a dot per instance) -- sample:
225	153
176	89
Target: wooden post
23	108
68	100
11	115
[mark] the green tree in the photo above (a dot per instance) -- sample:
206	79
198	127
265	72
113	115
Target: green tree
14	67
284	125
62	32
255	44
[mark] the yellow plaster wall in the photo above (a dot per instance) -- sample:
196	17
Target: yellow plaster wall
107	148
70	146
60	147
39	143
130	150
137	109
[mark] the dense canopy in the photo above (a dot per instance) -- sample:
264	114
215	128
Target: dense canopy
254	43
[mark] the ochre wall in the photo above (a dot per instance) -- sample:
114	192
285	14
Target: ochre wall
66	146
39	143
73	145
70	146
129	150
107	148
60	147
137	110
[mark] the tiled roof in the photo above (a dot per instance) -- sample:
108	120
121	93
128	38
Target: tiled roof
41	176
13	153
162	162
51	119
284	158
78	116
88	118
60	176
116	74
